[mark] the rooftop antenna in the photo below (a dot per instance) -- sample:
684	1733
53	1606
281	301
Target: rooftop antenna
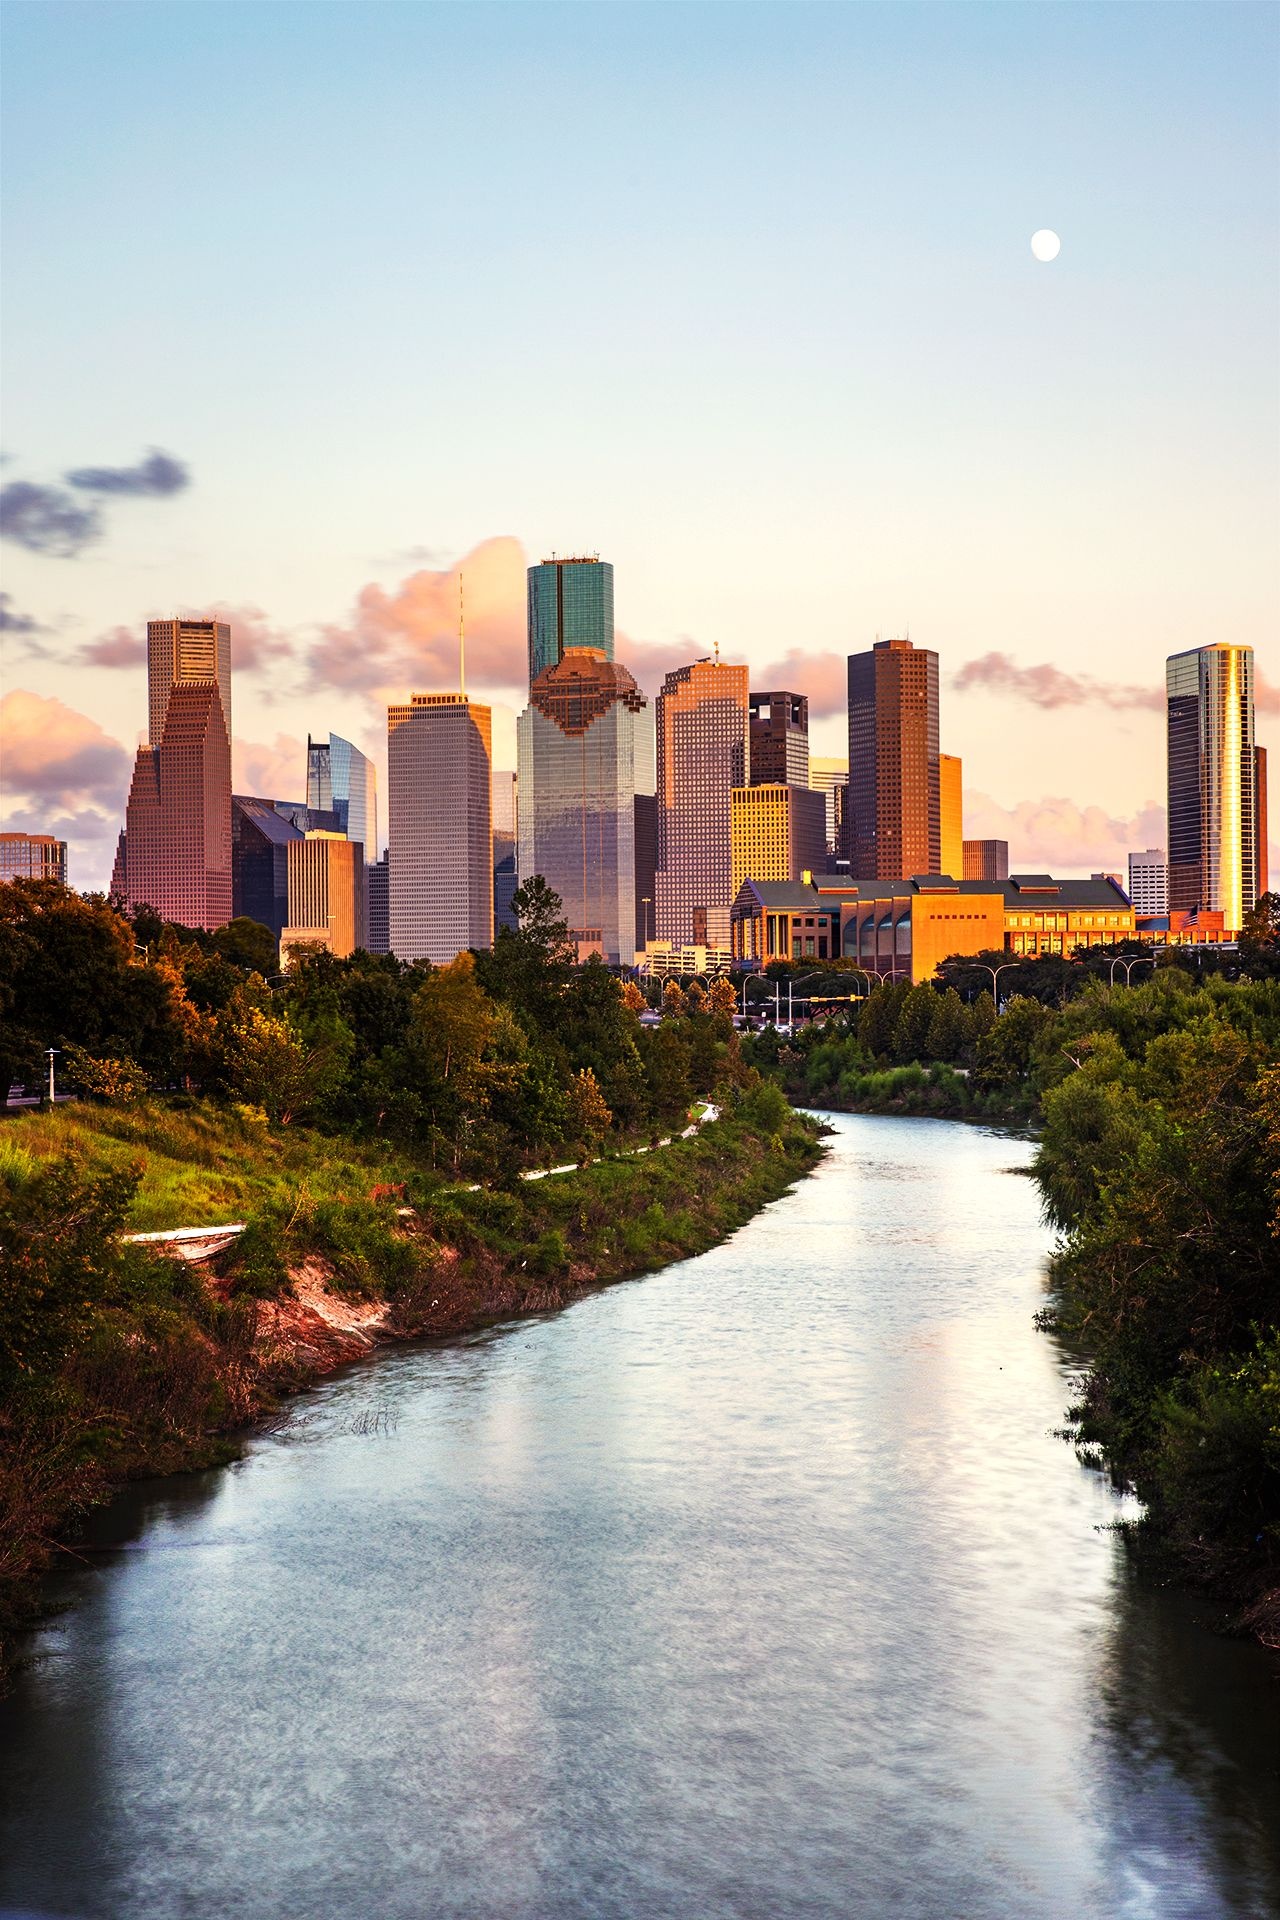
462	645
717	648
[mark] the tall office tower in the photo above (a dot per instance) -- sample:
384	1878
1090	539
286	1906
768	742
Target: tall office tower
778	740
894	823
702	718
439	827
32	856
327	894
1213	810
178	818
950	816
778	833
646	866
260	841
342	781
183	651
986	860
583	747
831	777
377	910
570	605
1149	881
119	887
505	877
1263	884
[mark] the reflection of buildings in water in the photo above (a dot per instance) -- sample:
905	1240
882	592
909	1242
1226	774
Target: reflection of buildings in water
1188	1715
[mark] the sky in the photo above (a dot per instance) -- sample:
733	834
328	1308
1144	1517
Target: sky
308	307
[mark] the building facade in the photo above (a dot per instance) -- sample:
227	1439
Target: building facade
570	605
185	651
505	876
260	841
1212	770
1263	884
951	816
1149	881
777	833
646	867
778	740
343	781
986	860
377	910
32	856
178	817
701	757
584	746
439	827
894	823
830	777
327	894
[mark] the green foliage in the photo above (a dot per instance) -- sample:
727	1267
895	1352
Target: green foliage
117	1081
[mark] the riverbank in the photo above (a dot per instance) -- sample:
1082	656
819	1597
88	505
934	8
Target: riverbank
162	1366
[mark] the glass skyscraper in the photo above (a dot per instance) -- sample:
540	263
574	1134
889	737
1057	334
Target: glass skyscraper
439	826
341	780
1213	789
585	745
570	605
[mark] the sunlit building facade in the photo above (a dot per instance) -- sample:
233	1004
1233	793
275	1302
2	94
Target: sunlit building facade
894	823
32	856
178	817
1149	880
343	781
985	860
185	652
570	606
327	894
778	740
777	833
950	816
584	747
439	827
1212	769
701	757
830	777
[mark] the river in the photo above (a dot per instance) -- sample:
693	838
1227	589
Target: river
759	1587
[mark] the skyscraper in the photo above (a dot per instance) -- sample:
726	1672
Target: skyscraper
1149	881
32	856
178	818
570	605
1213	810
894	824
778	739
1263	883
260	838
830	776
183	651
505	875
702	723
439	826
778	833
950	816
341	780
584	745
985	860
327	894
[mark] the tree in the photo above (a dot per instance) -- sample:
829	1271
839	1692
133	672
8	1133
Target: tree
949	1027
722	1000
454	1017
589	1117
1260	939
632	998
247	944
674	999
265	1063
115	1081
912	1028
879	1017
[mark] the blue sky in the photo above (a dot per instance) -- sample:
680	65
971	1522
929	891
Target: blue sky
740	297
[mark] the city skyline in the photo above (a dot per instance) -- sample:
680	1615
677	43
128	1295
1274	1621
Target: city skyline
1068	479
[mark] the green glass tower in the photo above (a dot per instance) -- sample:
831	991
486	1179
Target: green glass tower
570	605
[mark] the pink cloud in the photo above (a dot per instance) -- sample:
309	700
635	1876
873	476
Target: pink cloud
275	772
255	643
1049	686
118	647
823	677
54	756
1054	835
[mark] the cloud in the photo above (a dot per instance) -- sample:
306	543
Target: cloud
58	757
118	647
158	475
275	772
406	640
823	677
1049	686
1055	835
14	621
46	519
255	643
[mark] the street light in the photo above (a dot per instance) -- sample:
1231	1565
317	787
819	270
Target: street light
1129	965
995	973
51	1051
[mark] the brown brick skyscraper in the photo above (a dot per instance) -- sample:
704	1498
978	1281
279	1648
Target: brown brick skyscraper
178	822
893	820
702	757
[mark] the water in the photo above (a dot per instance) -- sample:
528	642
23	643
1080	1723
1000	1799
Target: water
757	1588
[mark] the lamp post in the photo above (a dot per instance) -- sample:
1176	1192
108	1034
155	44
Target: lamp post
646	901
51	1051
995	973
1129	965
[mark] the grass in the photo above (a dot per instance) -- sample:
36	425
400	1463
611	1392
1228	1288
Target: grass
204	1165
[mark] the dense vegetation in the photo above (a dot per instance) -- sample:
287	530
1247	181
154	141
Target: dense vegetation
1158	1110
369	1120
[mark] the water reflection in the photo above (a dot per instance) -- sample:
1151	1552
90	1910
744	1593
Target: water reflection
757	1587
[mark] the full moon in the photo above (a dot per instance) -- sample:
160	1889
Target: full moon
1046	245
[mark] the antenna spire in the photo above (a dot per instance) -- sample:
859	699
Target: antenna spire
462	644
